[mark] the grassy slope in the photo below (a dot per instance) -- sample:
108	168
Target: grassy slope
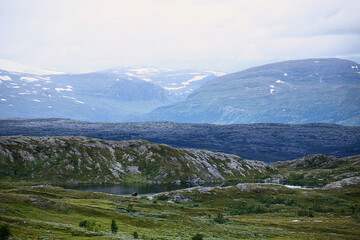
34	212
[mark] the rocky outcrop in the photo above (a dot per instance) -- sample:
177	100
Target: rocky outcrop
343	182
87	160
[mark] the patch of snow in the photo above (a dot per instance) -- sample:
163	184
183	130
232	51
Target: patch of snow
272	90
10	105
37	85
64	89
44	88
23	93
285	74
11	66
45	78
176	88
68	97
36	100
130	74
29	79
316	61
145	70
49	106
218	74
279	81
354	66
79	102
196	78
272	86
3	99
146	79
5	78
15	87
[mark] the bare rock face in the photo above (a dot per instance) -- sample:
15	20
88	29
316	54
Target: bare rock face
343	182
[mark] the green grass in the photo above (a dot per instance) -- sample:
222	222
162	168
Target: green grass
55	213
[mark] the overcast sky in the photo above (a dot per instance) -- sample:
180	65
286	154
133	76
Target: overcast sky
225	35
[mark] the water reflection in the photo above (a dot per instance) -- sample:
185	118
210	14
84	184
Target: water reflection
126	189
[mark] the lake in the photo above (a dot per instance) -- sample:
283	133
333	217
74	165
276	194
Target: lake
126	189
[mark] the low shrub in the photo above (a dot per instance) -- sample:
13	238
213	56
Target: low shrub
197	236
5	232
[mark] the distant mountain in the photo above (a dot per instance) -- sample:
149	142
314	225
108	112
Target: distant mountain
110	95
91	96
301	91
178	82
266	142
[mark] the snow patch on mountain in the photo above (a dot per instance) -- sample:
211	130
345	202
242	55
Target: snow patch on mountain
5	78
11	66
196	78
29	79
69	89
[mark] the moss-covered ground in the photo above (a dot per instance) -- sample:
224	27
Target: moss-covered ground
253	212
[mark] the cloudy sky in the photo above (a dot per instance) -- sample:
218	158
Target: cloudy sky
225	35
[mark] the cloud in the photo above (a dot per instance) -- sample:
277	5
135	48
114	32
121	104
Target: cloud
81	35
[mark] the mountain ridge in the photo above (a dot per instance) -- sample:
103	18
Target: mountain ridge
295	91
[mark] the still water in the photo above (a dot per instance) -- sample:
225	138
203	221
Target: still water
127	189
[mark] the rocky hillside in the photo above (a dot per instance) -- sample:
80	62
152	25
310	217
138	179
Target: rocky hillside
316	170
265	142
79	159
298	91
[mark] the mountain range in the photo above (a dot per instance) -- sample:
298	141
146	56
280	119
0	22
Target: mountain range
325	90
110	95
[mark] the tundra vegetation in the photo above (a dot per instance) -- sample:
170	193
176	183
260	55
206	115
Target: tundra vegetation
259	207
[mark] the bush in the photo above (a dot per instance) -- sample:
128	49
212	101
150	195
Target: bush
136	235
4	232
90	225
130	208
114	227
83	224
220	218
305	213
198	236
163	197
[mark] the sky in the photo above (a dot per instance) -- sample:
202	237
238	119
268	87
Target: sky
224	35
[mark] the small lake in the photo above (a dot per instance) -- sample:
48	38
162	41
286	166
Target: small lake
126	189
